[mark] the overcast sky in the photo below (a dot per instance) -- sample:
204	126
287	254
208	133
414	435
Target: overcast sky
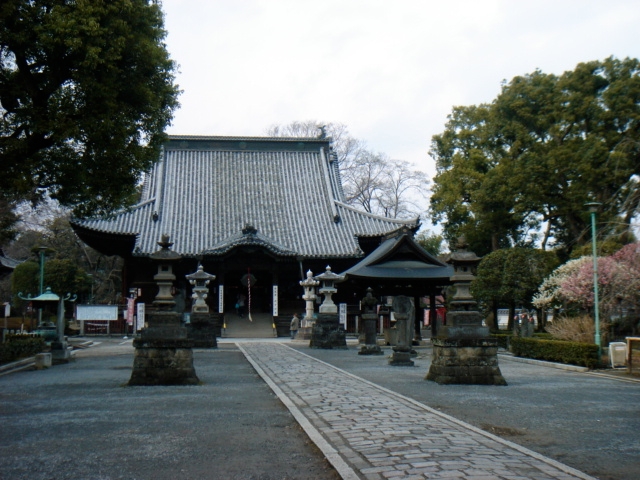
390	70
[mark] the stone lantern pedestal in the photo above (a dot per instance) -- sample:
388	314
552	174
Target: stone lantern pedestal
163	354
463	351
326	332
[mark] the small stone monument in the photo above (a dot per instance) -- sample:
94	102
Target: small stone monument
202	328
370	321
402	309
163	354
306	326
463	351
326	332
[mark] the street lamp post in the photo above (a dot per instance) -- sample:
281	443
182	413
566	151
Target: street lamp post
593	208
42	252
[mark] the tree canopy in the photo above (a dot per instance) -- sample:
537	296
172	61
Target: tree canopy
86	91
371	181
70	266
520	169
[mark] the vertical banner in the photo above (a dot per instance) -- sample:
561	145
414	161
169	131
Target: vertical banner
131	303
275	300
343	315
221	299
140	323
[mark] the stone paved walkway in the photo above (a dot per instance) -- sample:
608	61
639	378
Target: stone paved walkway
369	432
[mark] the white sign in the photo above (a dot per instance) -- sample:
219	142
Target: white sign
7	309
221	299
97	312
343	314
140	315
275	300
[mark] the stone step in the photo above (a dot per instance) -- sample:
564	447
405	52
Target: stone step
260	326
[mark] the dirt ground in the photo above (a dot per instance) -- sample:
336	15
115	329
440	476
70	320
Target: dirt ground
81	421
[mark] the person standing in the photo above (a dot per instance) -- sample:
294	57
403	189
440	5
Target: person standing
294	326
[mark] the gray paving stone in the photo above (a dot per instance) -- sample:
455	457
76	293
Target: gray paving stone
341	413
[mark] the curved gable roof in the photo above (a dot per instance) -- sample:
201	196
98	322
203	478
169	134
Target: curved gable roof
206	189
401	257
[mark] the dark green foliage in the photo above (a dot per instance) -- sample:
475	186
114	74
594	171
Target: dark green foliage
86	91
20	346
510	277
533	157
573	353
62	275
25	280
431	242
503	339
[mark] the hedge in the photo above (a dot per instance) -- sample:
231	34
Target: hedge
574	353
20	346
503	339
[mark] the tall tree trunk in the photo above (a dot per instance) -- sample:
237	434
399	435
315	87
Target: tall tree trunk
512	313
492	319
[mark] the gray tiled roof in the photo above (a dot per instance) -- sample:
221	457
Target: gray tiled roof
9	263
206	189
401	257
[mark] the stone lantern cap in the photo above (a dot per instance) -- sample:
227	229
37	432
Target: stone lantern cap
310	280
200	278
462	255
165	254
328	278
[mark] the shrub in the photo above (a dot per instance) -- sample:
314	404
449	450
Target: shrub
574	353
580	329
20	346
503	340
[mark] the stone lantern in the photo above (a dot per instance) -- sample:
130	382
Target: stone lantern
326	332
202	327
463	317
328	280
165	258
200	283
163	352
309	285
463	351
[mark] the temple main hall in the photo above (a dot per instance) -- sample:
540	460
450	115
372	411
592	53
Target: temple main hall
258	213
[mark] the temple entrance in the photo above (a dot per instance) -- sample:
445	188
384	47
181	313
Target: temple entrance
248	304
252	297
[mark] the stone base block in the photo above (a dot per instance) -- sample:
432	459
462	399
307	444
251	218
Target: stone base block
370	350
202	331
465	362
43	360
304	333
401	357
327	334
159	362
60	353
